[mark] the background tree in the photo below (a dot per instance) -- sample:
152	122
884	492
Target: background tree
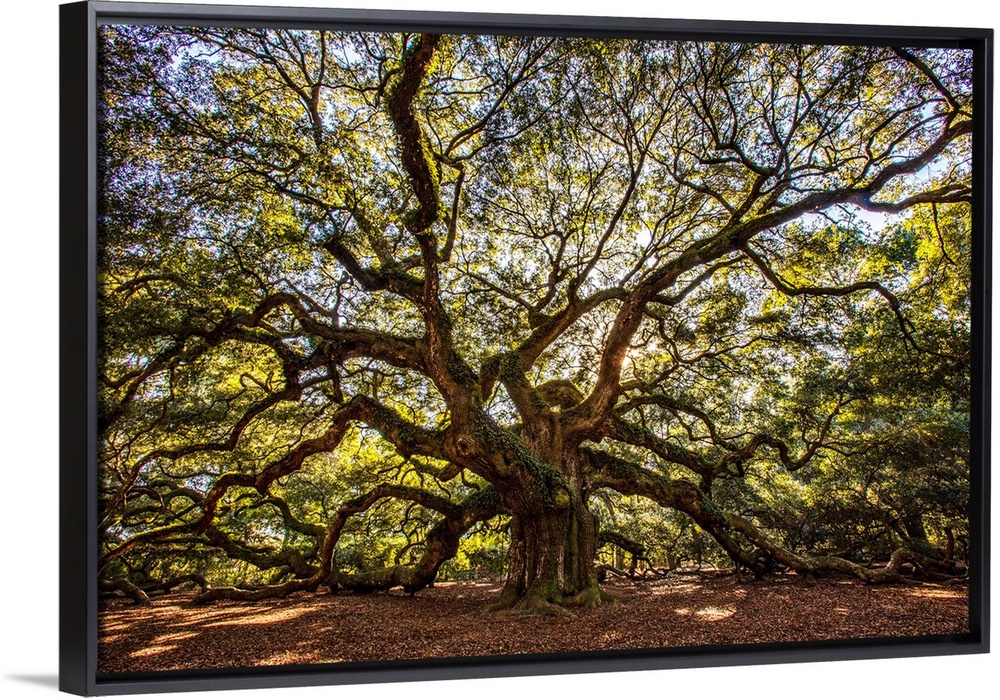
366	295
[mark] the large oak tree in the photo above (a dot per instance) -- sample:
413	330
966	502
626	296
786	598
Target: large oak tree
447	282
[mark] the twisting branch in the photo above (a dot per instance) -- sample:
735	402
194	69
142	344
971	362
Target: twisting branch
919	64
453	219
342	343
406	437
440	544
414	148
735	235
630	479
771	276
608	471
675	406
618	429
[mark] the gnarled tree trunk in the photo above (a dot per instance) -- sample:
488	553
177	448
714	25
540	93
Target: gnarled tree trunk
553	534
551	560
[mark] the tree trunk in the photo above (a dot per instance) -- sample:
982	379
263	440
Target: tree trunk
553	547
551	561
916	537
552	556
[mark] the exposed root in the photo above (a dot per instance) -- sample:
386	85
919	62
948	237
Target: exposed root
592	597
255	594
508	598
126	587
531	603
514	604
535	606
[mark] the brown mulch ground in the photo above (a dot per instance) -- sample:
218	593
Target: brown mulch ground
447	621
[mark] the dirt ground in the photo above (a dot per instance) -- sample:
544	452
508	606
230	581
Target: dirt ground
447	620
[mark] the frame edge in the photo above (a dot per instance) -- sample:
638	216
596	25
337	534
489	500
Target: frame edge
77	365
77	348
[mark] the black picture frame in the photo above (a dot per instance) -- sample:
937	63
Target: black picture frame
79	350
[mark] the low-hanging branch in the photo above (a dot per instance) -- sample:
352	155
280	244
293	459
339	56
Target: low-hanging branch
679	494
440	544
407	437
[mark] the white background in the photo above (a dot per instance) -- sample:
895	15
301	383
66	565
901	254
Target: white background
29	389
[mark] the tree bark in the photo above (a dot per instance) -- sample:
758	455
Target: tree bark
553	533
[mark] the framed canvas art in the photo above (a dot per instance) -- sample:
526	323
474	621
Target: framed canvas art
417	345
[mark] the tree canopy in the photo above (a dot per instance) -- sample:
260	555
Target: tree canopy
377	307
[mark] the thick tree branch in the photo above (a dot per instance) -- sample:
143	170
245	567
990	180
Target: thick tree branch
414	148
440	544
622	431
627	478
734	236
406	437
